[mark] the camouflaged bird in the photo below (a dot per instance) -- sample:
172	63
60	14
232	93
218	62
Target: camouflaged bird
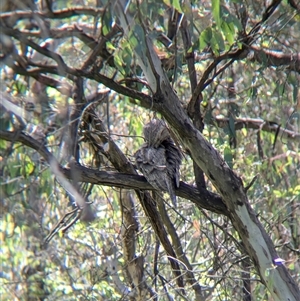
159	158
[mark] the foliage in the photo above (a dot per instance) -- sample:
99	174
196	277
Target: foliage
73	83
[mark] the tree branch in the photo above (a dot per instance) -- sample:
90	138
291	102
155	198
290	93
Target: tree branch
294	5
276	58
257	124
145	100
204	199
64	32
58	14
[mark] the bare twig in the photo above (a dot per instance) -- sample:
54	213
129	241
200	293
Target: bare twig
257	124
58	14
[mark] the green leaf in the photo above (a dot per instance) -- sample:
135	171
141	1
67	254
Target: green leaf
176	5
232	126
178	69
107	22
14	170
230	25
216	12
3	143
228	156
220	141
217	42
205	38
119	64
127	59
230	19
291	266
5	123
228	32
253	92
139	42
267	272
28	167
20	86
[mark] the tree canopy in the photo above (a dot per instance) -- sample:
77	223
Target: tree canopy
80	80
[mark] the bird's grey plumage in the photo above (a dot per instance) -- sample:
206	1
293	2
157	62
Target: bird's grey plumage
155	132
159	158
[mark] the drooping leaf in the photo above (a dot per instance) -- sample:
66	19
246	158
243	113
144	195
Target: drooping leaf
228	157
205	38
176	5
217	42
232	126
216	12
228	32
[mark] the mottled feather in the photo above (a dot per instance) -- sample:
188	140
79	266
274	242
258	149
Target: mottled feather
159	159
155	132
